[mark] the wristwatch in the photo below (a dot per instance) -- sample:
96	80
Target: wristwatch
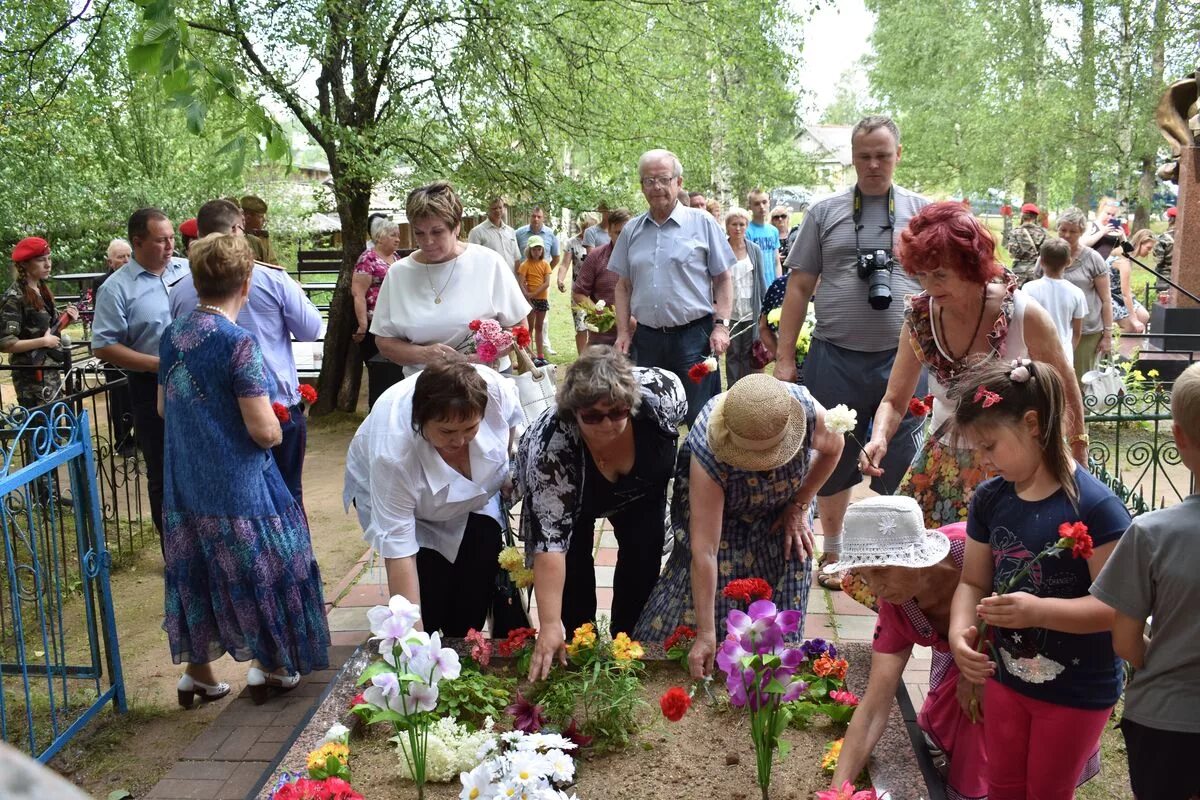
725	322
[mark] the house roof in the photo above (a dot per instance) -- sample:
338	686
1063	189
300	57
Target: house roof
831	142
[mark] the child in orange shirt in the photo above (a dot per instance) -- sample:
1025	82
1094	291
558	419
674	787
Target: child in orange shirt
534	274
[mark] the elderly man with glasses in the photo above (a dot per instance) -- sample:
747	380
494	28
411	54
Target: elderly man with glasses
673	262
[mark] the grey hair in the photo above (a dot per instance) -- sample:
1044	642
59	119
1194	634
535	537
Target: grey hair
600	374
1073	216
874	123
114	244
651	156
737	211
381	226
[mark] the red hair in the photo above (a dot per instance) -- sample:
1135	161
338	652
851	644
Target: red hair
947	235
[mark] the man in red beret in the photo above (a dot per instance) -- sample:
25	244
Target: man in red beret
190	231
1024	242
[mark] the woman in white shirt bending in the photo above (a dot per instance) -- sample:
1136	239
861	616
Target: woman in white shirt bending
424	472
430	297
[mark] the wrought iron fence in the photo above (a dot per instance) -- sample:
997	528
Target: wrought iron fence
59	660
1133	450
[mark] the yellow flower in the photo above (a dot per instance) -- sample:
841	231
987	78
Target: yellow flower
774	315
511	559
1153	373
830	759
584	639
318	758
523	578
625	649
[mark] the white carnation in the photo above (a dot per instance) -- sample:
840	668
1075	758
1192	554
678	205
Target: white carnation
840	419
600	304
337	733
710	364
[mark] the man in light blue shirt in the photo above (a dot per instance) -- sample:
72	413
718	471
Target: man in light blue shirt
674	265
765	235
276	312
536	227
132	312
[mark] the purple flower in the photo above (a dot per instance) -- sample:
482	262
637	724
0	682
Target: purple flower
815	648
527	717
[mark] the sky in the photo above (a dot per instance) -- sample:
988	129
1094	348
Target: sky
834	38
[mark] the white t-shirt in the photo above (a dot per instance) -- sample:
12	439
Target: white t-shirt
743	289
1064	302
406	495
476	285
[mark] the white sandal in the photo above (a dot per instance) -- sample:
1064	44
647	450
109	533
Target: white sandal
189	689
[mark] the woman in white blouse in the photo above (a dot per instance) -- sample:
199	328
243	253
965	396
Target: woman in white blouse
424	472
430	297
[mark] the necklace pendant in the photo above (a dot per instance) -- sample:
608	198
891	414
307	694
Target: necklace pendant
437	300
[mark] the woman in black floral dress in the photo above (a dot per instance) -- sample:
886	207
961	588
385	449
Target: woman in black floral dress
607	450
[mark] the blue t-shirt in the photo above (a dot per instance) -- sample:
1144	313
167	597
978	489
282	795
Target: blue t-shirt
1070	669
767	239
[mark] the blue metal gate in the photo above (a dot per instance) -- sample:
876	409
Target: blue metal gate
59	660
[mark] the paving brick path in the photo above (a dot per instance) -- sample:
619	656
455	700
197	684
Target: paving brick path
239	750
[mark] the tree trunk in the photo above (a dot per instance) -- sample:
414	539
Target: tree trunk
341	365
1030	195
1086	103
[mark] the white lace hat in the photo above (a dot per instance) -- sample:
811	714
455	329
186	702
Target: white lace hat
888	532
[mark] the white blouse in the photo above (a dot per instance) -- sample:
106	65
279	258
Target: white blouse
406	495
475	285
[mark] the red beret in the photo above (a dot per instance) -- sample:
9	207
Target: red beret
1030	208
189	229
30	247
1171	212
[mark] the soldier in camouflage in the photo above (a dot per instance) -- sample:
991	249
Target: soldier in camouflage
257	235
1024	242
27	312
1164	248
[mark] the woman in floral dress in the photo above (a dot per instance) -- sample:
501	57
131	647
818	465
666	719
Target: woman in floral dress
751	465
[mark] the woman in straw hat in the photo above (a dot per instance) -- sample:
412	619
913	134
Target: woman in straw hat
744	484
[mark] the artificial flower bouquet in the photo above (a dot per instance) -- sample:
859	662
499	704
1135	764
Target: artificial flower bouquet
328	775
532	766
490	341
598	316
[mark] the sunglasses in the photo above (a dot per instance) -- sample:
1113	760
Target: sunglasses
779	216
592	417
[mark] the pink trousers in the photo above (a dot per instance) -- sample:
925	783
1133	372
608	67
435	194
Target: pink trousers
1036	749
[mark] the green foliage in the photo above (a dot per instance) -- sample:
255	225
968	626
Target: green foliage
474	695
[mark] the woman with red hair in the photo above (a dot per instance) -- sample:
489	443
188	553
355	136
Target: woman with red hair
970	310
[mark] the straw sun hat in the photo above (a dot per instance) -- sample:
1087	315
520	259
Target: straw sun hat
757	425
888	532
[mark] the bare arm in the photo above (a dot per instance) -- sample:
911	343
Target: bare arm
765	334
1129	639
870	718
624	330
402	578
1041	339
403	352
706	499
1090	237
1103	287
1076	332
906	372
359	284
975	584
47	339
722	287
1084	614
127	358
260	420
800	289
549	575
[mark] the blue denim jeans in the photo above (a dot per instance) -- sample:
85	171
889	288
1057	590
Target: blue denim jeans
678	351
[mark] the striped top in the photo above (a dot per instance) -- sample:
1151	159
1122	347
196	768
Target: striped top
825	246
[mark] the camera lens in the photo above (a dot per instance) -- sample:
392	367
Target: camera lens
879	291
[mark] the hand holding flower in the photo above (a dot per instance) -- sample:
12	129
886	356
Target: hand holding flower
973	665
1013	610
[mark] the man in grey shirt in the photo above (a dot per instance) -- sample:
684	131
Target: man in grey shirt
673	262
857	332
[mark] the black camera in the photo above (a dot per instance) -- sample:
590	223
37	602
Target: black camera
876	269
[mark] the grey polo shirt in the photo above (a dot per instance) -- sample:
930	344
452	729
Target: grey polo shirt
133	307
671	266
825	246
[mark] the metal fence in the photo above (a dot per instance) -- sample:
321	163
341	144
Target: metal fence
59	660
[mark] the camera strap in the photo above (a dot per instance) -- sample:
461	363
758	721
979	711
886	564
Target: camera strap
858	210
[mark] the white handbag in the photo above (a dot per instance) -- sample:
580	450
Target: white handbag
536	386
1104	385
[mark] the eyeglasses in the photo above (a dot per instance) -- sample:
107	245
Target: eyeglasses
779	216
593	417
658	183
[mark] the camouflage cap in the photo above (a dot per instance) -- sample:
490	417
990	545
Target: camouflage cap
254	204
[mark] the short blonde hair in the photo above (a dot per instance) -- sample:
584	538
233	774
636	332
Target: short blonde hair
782	210
1185	402
221	264
437	200
737	211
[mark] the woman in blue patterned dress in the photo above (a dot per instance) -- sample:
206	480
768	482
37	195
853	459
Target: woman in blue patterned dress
240	574
744	485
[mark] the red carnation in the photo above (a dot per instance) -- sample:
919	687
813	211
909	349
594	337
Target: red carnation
281	412
517	639
474	325
698	372
521	336
747	590
1074	535
675	703
681	634
308	393
928	401
358	700
917	407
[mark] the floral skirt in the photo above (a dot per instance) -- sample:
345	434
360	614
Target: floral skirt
942	479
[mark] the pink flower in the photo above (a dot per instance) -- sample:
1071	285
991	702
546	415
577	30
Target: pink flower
844	698
481	648
846	792
486	351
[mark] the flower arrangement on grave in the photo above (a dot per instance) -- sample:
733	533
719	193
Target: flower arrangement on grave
328	772
403	684
532	766
761	671
518	645
599	317
603	684
475	697
679	644
847	792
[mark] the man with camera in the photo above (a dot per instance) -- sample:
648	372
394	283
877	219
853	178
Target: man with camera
846	243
